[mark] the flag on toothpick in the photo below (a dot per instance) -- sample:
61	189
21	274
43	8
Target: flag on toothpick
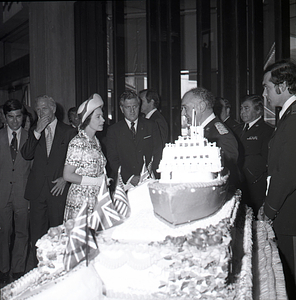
150	171
81	241
146	172
104	213
120	199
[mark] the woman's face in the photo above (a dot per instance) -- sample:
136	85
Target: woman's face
97	121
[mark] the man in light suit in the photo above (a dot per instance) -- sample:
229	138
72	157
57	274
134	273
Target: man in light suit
279	83
46	189
149	107
129	140
14	172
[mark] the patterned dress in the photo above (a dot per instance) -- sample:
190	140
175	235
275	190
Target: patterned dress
87	156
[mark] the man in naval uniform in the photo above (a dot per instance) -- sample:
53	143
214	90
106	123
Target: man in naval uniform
222	110
254	135
199	102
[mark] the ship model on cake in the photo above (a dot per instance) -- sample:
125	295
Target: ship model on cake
193	181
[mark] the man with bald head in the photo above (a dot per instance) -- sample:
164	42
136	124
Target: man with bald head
200	102
46	189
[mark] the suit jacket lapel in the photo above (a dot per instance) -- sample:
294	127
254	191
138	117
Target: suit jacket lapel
23	139
125	130
281	120
24	136
57	139
140	131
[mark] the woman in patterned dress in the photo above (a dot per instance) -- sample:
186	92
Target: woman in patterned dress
85	162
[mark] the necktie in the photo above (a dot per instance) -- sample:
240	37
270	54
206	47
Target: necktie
13	146
133	129
246	128
48	140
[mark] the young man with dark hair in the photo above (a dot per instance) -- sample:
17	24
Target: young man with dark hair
279	83
14	172
149	107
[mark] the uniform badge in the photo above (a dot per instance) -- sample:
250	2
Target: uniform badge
221	128
252	138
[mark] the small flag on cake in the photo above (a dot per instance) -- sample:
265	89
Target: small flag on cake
149	168
146	172
81	240
120	199
104	214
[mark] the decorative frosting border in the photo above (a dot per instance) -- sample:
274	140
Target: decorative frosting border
170	188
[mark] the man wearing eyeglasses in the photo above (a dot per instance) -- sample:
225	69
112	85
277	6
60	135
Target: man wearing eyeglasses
132	139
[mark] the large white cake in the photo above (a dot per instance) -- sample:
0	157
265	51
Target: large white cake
145	258
137	261
187	237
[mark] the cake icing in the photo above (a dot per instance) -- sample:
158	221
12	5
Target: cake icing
153	267
193	183
146	259
190	159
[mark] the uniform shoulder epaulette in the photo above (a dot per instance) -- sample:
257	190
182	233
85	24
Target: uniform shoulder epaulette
221	128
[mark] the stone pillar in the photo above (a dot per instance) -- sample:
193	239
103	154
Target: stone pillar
52	54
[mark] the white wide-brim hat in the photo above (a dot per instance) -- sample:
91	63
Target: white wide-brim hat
88	106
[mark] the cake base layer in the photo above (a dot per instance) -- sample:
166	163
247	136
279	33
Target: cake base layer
182	203
269	280
197	265
83	282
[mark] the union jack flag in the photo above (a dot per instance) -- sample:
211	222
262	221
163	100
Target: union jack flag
120	199
149	168
104	214
146	172
81	241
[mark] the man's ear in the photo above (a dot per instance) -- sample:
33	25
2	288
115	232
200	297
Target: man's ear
203	106
283	86
121	108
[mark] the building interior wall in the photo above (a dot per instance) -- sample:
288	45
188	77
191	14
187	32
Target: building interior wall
71	49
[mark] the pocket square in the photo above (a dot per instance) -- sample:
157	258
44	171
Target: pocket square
147	137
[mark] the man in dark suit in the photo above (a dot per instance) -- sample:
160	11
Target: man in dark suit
149	107
129	140
14	172
222	108
46	189
254	135
279	83
199	102
73	117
